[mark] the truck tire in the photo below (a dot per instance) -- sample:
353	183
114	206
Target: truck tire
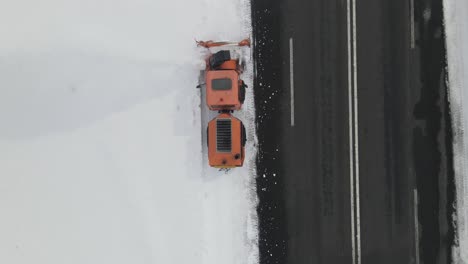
242	92
243	135
219	58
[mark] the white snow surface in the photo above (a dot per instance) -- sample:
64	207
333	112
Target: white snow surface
456	27
100	135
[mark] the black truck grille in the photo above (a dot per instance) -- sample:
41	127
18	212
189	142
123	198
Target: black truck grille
223	135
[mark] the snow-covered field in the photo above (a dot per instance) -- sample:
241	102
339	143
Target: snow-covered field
100	135
456	27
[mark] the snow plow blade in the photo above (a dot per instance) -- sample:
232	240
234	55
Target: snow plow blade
210	43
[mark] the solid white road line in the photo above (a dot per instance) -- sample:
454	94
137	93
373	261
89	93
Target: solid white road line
416	225
412	22
291	76
353	133
350	123
356	139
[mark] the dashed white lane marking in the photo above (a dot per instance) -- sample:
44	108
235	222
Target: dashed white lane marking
291	76
416	226
412	23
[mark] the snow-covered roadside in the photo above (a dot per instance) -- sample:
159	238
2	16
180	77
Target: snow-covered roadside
456	28
100	143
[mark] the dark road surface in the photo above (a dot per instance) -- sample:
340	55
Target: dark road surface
343	186
386	100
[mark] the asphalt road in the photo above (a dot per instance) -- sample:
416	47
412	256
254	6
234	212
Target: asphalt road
353	128
386	101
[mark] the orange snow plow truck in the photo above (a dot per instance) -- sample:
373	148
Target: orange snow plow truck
225	93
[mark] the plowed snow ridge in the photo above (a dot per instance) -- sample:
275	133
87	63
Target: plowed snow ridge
456	28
